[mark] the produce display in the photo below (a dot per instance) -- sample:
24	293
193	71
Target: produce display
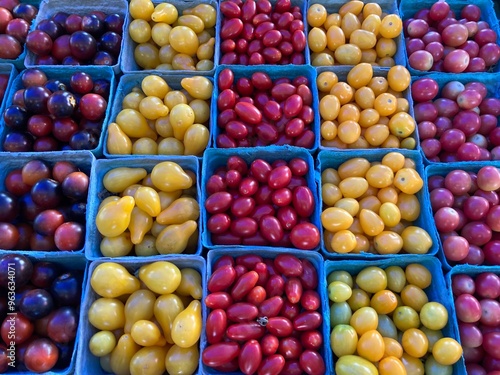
15	23
259	111
255	32
73	39
467	214
52	114
456	122
147	323
157	120
384	317
357	33
365	111
45	314
370	207
43	207
439	39
169	41
478	313
265	316
154	213
261	204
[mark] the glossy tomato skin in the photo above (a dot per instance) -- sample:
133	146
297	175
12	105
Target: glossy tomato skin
41	355
23	328
220	354
250	357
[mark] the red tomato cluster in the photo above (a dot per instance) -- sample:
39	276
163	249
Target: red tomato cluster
256	111
254	33
265	316
261	204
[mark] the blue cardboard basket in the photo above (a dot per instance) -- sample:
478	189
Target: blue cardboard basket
343	71
67	262
275	72
408	8
491	80
63	74
215	158
443	170
10	70
388	6
19	61
333	159
86	362
82	159
437	292
302	4
314	258
128	64
48	8
125	86
98	192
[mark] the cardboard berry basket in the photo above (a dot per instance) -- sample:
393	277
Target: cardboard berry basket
342	72
86	362
128	64
408	8
275	72
334	159
48	8
63	74
98	193
82	159
388	6
315	259
125	86
66	262
215	158
10	70
443	170
438	291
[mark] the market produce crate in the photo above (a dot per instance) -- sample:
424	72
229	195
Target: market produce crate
215	158
343	71
19	61
125	86
63	74
275	72
315	259
84	160
98	193
333	159
408	8
443	170
86	362
68	262
10	70
388	6
128	64
438	291
48	8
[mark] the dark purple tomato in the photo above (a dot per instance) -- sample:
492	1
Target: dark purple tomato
5	18
14	183
47	222
61	104
46	193
64	129
16	117
55	85
44	273
111	42
27	12
18	28
36	303
40	125
83	45
99	14
46	144
93	107
81	83
73	23
46	60
15	265
103	58
33	77
114	22
42	243
66	289
39	43
50	27
35	99
60	18
29	209
41	355
76	185
93	25
11	48
18	98
70	236
60	48
9	236
18	142
65	354
84	140
62	325
101	87
77	212
9	208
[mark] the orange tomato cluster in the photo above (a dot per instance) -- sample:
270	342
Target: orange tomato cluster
383	323
370	207
365	111
357	33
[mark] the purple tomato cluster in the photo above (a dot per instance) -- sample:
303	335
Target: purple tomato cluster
43	207
15	22
439	40
265	316
261	204
478	312
43	317
467	214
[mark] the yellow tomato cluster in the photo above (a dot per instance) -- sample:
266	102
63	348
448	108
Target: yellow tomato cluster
149	323
366	111
383	323
154	213
156	120
169	42
370	207
357	33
